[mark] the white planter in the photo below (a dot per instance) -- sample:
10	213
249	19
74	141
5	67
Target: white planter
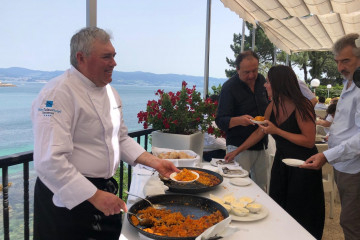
194	142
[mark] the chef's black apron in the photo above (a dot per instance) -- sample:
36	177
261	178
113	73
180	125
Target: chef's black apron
82	222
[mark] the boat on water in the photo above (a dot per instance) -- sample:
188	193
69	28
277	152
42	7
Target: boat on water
6	84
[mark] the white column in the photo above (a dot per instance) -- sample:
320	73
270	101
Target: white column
253	38
91	13
207	48
243	36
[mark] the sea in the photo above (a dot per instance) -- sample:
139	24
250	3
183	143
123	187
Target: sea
15	106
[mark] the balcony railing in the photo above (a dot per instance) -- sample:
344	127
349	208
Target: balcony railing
25	158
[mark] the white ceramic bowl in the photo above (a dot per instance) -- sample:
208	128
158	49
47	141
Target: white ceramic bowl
241	212
254	207
238	204
173	175
246	199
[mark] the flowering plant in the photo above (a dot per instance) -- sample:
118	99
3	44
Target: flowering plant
183	112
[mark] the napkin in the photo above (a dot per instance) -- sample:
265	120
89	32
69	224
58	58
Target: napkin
233	167
143	170
154	186
221	229
211	168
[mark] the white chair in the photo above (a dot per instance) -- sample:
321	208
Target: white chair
329	185
320	130
328	179
321	113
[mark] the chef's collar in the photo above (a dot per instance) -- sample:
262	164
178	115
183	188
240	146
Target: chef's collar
82	77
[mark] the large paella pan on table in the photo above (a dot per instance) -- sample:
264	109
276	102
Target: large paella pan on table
191	206
207	181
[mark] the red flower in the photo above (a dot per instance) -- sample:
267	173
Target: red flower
181	112
210	130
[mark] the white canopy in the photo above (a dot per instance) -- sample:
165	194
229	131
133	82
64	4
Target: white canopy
300	25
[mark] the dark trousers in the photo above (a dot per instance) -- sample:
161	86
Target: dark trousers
82	222
349	191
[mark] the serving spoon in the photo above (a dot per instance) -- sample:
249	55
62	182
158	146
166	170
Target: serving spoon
156	206
142	221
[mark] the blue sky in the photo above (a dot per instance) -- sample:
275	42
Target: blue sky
158	36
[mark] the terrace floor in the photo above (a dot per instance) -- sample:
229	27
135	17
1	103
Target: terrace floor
332	229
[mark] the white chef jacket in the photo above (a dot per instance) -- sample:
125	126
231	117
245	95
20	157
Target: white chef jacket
79	132
344	135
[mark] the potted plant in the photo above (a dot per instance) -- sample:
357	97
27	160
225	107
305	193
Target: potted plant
182	113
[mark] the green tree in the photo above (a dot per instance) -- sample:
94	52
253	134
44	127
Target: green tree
300	59
263	47
319	65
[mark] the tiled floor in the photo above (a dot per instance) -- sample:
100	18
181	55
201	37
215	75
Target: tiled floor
332	229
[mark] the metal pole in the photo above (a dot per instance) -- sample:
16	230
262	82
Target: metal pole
253	37
287	59
243	36
91	13
207	49
275	59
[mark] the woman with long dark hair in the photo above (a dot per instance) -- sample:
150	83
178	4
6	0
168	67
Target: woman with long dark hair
290	119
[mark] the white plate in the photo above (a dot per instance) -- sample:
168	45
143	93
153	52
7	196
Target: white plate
240	181
293	162
258	122
172	177
243	174
251	216
221	162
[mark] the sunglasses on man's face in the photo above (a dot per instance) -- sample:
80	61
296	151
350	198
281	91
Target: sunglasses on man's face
356	77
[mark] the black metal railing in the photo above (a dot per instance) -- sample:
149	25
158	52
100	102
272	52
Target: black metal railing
26	157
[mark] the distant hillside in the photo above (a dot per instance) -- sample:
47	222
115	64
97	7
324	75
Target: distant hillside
15	74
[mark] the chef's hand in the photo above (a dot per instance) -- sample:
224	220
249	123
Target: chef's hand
315	162
165	167
107	203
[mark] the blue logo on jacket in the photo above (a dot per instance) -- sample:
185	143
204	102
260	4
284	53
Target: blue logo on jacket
49	103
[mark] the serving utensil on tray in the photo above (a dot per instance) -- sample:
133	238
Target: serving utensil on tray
142	221
156	206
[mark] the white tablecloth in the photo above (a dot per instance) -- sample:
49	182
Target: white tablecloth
276	226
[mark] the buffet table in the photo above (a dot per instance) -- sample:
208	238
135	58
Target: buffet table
278	224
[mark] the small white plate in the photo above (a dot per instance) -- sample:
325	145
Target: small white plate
221	162
240	181
258	122
243	173
293	162
172	177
